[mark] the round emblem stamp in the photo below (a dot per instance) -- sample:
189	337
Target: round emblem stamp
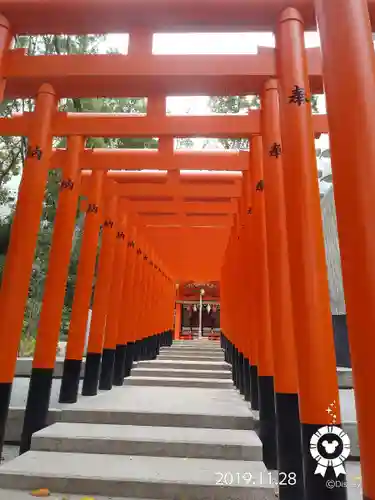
330	447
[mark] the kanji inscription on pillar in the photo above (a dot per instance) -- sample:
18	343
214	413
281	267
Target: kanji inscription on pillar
67	184
298	96
260	186
92	208
275	150
34	152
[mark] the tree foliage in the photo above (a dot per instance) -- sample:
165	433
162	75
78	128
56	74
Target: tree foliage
13	153
241	105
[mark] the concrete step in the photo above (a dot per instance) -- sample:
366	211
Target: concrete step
202	341
345	378
15	420
163	407
192	352
171	372
55	495
179	382
193	348
222	444
196	345
190	357
161	419
214	348
179	364
138	476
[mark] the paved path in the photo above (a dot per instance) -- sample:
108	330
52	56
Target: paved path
21	386
150	439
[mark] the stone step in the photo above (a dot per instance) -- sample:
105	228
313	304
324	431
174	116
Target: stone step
345	378
177	348
190	357
179	382
191	352
195	348
163	407
15	420
202	341
138	476
196	345
214	348
55	495
160	419
171	372
179	364
224	444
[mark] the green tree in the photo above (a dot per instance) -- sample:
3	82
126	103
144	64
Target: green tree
234	105
241	105
13	152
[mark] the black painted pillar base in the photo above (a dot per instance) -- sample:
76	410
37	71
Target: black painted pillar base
229	351
119	368
5	392
169	336
148	348
137	350
37	405
316	485
226	351
155	346
246	379
129	359
234	362
106	374
142	350
231	361
158	344
267	421
241	382
254	387
162	339
70	381
289	447
92	371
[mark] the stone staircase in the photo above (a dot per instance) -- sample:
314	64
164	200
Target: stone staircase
176	430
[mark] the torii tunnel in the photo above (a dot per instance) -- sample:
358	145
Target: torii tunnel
256	230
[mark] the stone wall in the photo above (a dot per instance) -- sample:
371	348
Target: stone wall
336	290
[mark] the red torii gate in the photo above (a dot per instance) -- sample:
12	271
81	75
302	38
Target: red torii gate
121	125
349	76
116	16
